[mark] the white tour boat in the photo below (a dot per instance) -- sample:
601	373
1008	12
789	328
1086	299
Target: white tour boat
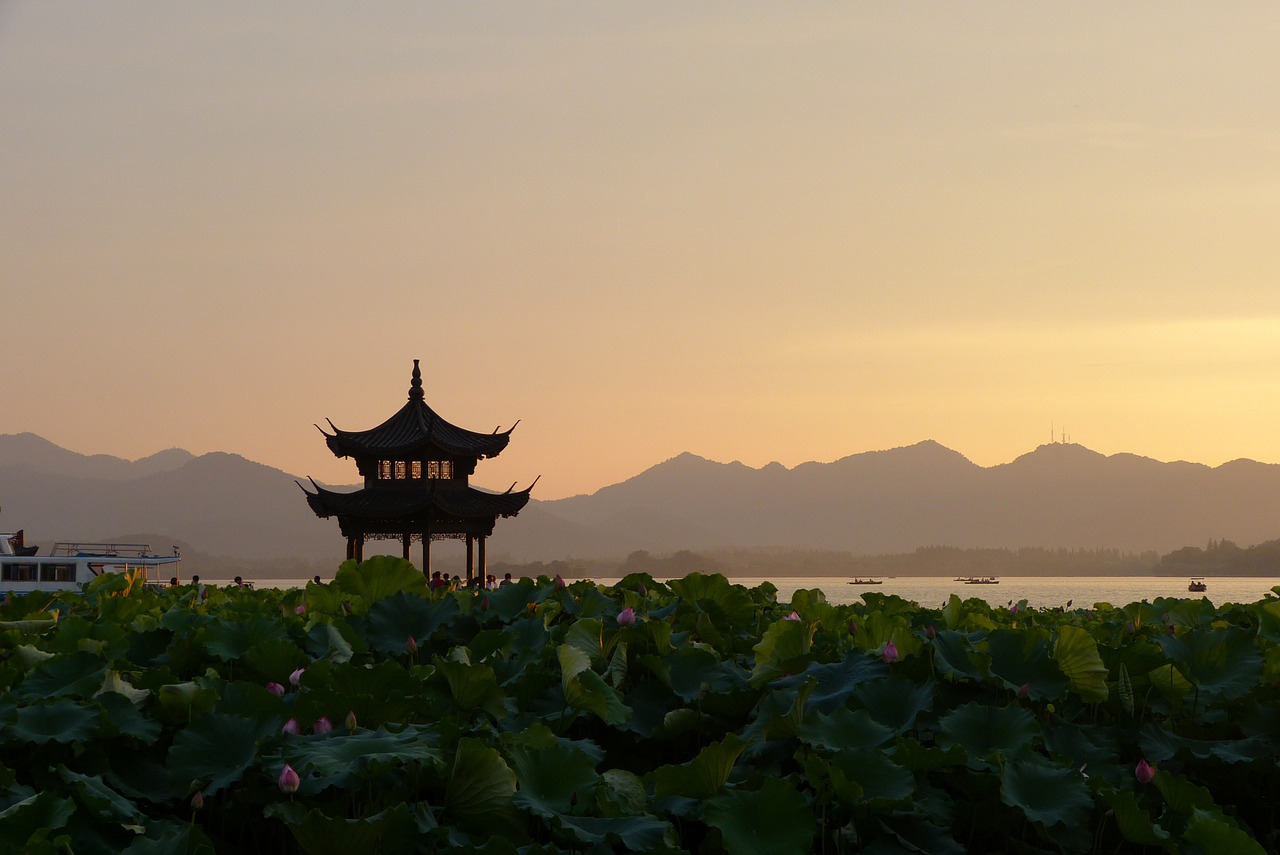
70	565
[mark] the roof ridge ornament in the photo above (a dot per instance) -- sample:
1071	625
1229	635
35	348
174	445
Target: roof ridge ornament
415	385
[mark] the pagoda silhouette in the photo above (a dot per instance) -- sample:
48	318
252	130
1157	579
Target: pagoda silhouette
416	468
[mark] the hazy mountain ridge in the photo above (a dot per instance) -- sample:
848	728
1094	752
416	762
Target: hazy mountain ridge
890	501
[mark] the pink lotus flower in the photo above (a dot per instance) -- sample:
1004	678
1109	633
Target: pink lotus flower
853	627
890	652
289	780
300	609
1013	610
1024	691
197	801
1143	772
296	677
291	726
322	725
559	581
793	616
276	689
350	723
627	617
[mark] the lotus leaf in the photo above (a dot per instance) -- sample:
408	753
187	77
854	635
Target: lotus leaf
984	730
62	720
1021	658
166	838
702	777
784	649
216	749
1046	793
392	830
381	576
480	792
1212	833
586	690
76	675
551	777
1221	663
1077	655
774	819
397	617
896	701
636	833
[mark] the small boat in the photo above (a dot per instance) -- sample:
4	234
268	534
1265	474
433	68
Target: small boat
70	565
982	580
867	582
1197	585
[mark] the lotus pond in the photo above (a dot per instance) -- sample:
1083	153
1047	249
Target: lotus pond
369	714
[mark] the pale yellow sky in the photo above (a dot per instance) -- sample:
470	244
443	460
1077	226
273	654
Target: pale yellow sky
753	231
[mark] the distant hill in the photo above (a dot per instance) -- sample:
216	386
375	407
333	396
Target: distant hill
897	500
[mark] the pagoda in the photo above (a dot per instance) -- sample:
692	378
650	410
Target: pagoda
416	468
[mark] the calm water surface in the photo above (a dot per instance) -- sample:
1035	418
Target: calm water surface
1038	591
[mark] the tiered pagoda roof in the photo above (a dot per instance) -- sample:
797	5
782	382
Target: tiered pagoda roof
392	504
416	430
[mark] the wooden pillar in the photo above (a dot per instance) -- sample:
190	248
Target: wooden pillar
351	547
360	548
470	558
426	555
404	541
483	569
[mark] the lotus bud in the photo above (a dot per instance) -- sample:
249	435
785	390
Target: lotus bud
930	633
296	677
197	801
793	616
559	581
276	689
411	646
1143	772
1013	609
627	617
350	723
484	604
291	726
322	725
853	627
890	652
289	780
300	609
1024	691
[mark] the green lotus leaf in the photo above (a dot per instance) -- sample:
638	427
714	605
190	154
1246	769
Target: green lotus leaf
702	777
392	830
1183	796
1021	657
378	694
587	634
915	834
62	720
956	655
101	800
27	657
230	640
833	683
473	687
896	701
716	594
622	793
397	617
774	819
689	671
377	578
1221	663
1170	682
550	777
166	837
275	659
112	682
1211	833
1077	655
480	791
356	759
1133	820
121	716
636	833
812	606
34	626
984	730
586	690
186	701
844	729
1093	748
1046	793
876	775
217	748
40	814
522	644
784	649
912	755
76	675
326	641
1159	744
510	601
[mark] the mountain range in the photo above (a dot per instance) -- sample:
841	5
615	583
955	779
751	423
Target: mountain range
1060	495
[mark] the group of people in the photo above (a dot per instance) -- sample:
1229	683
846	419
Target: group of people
440	580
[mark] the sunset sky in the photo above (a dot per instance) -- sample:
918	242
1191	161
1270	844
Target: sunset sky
752	231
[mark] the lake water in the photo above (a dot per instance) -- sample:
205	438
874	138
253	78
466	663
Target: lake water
1038	591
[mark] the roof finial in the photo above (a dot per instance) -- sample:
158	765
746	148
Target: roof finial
415	385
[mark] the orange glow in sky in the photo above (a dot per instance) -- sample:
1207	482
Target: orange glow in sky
753	231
